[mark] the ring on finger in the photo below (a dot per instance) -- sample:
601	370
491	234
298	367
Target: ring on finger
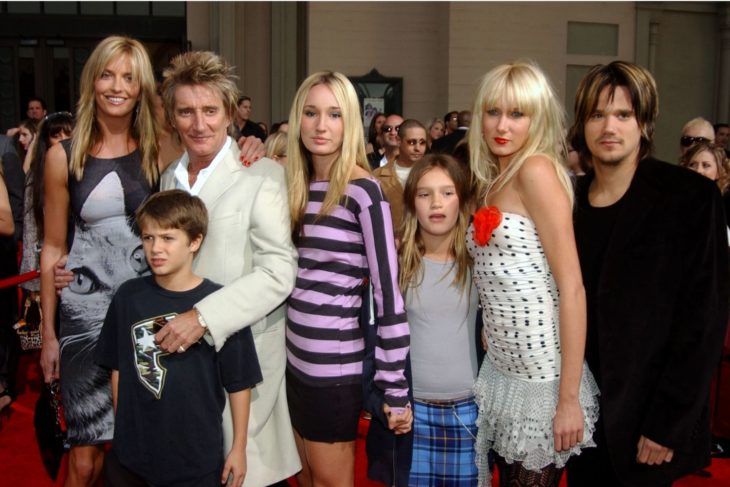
181	349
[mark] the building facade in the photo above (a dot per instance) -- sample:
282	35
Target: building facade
438	49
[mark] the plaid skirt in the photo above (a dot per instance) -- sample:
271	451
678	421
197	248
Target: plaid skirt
443	444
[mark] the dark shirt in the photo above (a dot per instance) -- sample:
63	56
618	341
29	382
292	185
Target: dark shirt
251	128
593	229
14	178
169	406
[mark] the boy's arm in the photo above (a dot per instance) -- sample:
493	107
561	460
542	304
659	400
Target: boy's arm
115	389
236	460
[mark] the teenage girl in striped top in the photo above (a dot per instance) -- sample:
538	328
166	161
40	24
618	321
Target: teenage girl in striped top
342	228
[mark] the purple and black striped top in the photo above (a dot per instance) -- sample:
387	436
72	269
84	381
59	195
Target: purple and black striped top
337	254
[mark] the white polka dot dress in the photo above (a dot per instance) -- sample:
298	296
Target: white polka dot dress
518	384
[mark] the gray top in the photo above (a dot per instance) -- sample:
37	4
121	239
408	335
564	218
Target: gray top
443	346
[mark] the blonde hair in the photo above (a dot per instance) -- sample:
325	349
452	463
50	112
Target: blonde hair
412	248
701	124
144	129
275	145
299	168
521	85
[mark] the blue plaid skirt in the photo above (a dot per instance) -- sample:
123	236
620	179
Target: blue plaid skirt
443	444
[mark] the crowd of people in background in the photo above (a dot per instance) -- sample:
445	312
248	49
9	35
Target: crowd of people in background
492	288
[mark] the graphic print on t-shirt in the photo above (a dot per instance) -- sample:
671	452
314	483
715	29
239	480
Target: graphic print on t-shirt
147	353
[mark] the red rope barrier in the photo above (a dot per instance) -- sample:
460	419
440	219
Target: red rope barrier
15	280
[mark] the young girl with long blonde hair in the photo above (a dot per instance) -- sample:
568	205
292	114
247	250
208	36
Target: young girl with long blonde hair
342	228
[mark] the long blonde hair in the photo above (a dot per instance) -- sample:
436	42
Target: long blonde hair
412	248
299	168
524	86
144	129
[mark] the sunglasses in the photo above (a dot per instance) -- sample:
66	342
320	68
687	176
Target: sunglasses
688	141
390	128
58	114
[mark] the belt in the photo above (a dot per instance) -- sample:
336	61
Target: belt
446	402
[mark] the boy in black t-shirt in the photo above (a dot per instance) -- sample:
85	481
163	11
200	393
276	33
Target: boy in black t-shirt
168	428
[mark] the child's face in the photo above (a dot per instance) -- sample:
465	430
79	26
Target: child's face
169	251
437	203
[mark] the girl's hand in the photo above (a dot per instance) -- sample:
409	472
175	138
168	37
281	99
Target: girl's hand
568	425
236	465
49	359
399	423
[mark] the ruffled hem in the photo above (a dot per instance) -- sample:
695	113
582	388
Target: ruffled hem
516	419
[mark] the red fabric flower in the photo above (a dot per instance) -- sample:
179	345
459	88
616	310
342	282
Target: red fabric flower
486	219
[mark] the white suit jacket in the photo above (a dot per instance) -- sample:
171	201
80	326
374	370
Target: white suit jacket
248	250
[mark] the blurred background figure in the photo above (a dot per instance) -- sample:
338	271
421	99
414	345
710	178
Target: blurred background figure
696	130
375	142
282	126
436	130
276	147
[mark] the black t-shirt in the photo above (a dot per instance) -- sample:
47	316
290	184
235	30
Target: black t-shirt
251	128
168	426
593	229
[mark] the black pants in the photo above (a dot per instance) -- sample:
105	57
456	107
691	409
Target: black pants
117	475
593	466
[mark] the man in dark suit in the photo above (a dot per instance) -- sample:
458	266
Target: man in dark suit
653	248
447	143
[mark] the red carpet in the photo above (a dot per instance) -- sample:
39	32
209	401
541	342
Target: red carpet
20	463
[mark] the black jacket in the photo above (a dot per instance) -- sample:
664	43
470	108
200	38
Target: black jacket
661	314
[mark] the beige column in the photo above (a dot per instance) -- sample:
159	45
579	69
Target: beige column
284	82
723	88
253	59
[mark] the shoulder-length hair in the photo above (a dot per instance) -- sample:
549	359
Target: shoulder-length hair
51	126
643	94
144	129
521	85
718	152
412	248
299	168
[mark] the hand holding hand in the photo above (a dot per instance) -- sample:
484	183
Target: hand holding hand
652	453
568	424
180	333
399	423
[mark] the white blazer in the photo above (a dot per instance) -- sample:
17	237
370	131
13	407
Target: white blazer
248	250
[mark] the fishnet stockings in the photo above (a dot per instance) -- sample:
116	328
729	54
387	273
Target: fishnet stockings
514	475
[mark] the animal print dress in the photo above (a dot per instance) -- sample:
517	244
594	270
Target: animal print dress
104	251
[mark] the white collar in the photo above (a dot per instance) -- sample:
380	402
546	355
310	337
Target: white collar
181	171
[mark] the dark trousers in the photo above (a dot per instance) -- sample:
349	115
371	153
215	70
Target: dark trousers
593	466
117	475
